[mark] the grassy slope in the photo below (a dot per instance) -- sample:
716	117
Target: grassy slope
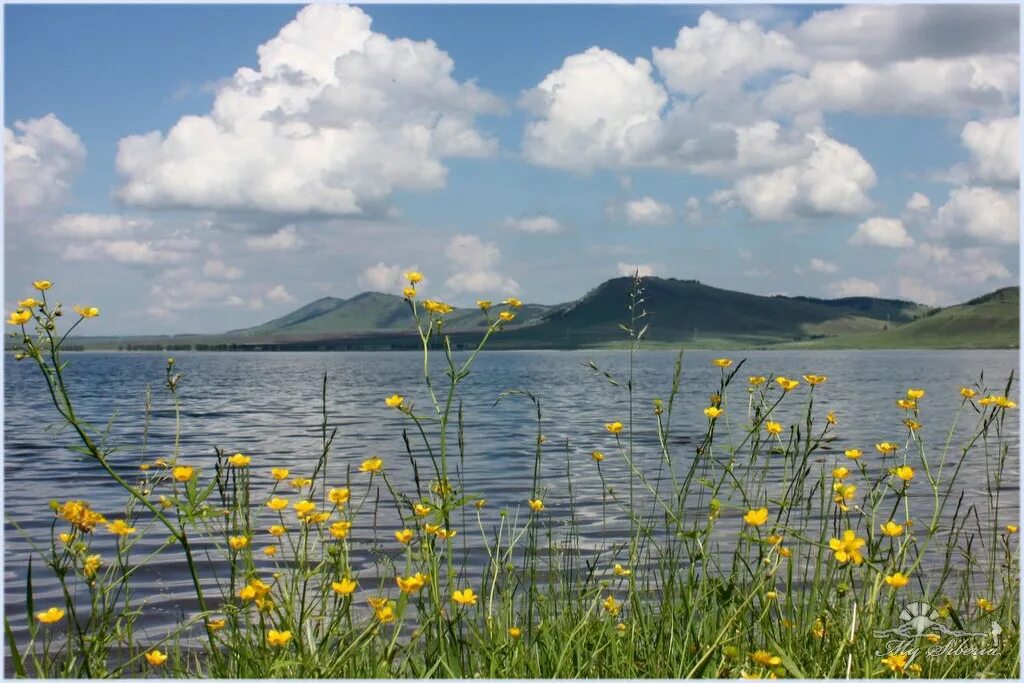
990	321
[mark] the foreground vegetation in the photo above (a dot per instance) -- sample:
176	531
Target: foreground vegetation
758	553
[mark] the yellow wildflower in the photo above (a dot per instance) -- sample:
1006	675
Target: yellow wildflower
409	292
897	580
87	311
815	379
1011	528
853	453
270	550
479	503
985	605
1004	402
404	536
506	316
412	584
756	517
216	624
773	427
892	529
279	473
277	638
277	503
611	605
120	528
514	631
303	508
513	302
712	412
19	317
614	427
445	534
756	380
904	472
619	570
830	417
915	394
394	401
896	662
848	548
155	657
421	510
50	616
276	530
886	448
967	392
722	362
414	277
465	597
484	304
182	473
906	404
339	496
840	473
536	504
438	307
239	460
765	658
300	482
341	529
598	456
237	542
42	285
80	515
372	465
344	587
786	383
28	303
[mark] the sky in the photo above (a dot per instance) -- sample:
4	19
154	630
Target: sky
205	168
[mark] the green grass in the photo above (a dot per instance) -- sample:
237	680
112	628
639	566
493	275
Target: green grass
755	551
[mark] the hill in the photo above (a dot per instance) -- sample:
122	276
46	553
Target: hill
990	321
366	313
690	311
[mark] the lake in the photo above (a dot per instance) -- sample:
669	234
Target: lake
268	405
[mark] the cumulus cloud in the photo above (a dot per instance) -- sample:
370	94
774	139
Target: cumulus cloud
41	158
93	225
692	213
333	120
882	232
280	295
919	203
720	53
475	264
643	269
169	250
853	286
978	214
994	147
536	224
285	239
966	272
648	211
384	277
818	265
833	179
218	270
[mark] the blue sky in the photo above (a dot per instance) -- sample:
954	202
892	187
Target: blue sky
527	150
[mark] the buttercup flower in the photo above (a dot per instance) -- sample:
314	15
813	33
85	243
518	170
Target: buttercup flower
847	549
344	587
339	496
341	529
216	624
536	504
91	565
897	580
506	316
413	277
279	473
896	662
773	427
985	605
155	657
712	412
466	598
756	517
394	401
722	362
372	465
906	404
404	536
1004	402
904	472
438	307
80	515
182	473
513	302
756	380
412	584
1011	528
239	460
277	503
766	659
598	456
445	534
237	542
786	383
50	616
886	448
28	303
514	631
42	285
479	503
484	304
815	379
915	394
840	473
967	392
276	530
614	427
300	482
853	453
87	311
277	638
892	529
830	417
120	528
19	317
303	508
611	605
619	570
270	550
421	510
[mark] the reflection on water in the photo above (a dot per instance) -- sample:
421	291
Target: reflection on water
268	406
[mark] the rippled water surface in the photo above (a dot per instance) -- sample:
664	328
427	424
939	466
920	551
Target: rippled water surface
268	405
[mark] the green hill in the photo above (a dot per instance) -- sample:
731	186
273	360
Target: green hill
366	313
689	311
990	321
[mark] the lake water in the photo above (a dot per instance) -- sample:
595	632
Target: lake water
267	405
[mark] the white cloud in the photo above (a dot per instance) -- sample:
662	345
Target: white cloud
978	214
648	211
834	179
853	286
692	214
218	270
384	277
821	266
174	249
475	264
596	110
882	232
994	147
643	269
92	225
280	295
41	158
719	53
966	272
539	223
285	239
919	203
333	120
